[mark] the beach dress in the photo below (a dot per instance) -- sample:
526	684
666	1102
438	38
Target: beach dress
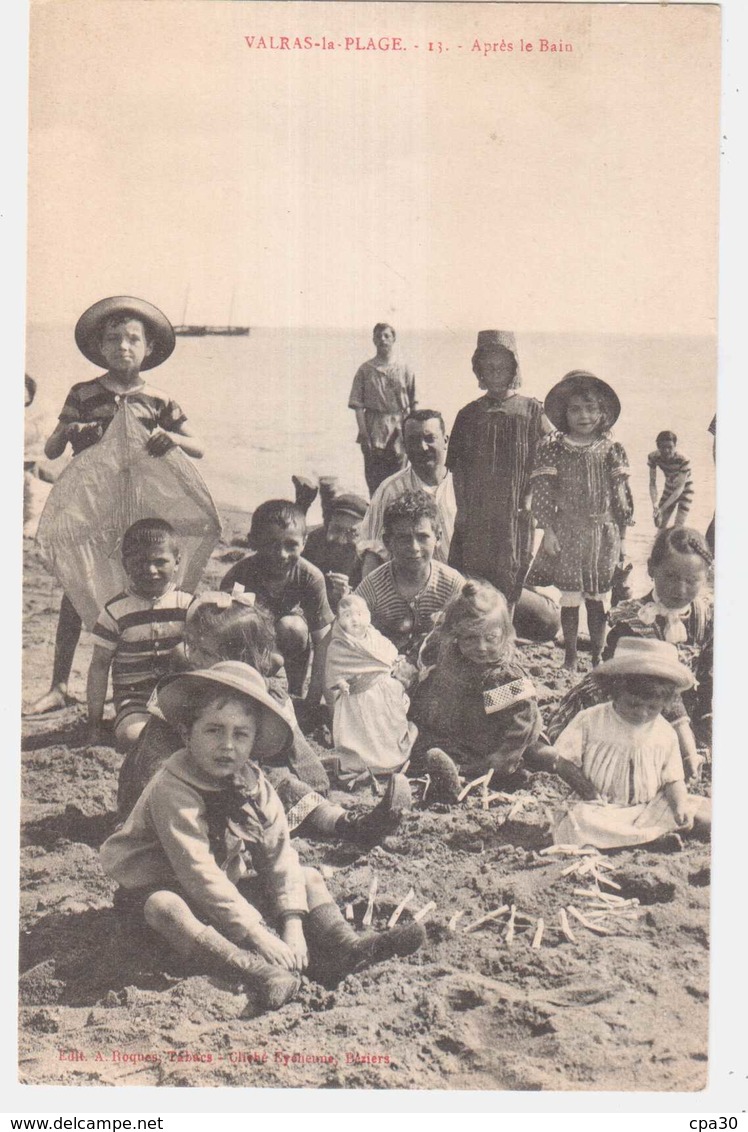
676	468
689	629
475	712
491	451
370	727
629	766
581	492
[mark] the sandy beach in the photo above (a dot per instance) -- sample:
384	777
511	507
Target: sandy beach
623	1011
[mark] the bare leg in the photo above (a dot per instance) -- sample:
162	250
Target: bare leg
128	731
66	642
570	627
293	641
596	621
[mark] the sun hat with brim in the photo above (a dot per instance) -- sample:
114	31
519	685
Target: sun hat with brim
158	328
576	382
643	656
273	729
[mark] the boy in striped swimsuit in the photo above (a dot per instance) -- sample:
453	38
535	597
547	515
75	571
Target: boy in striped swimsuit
678	491
139	633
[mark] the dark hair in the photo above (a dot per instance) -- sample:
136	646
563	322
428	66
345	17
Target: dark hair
119	316
665	435
412	505
276	513
383	326
579	385
682	540
420	415
636	684
148	532
239	632
476	600
206	695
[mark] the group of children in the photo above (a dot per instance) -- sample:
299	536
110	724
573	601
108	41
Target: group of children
417	661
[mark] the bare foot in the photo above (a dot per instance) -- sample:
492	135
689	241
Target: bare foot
570	663
53	700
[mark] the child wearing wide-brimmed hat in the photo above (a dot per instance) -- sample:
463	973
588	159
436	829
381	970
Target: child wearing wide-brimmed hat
124	336
182	856
581	499
623	758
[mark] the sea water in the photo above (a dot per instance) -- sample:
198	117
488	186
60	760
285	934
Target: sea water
275	403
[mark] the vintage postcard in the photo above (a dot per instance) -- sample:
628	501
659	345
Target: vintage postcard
416	300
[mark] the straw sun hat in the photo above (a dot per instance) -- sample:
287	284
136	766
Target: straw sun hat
273	730
580	382
642	656
158	328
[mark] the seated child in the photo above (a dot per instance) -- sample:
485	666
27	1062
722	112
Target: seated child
623	759
124	336
182	856
290	587
677	493
221	627
370	726
138	633
475	706
404	594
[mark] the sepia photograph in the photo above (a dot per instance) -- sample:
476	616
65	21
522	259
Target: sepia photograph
369	546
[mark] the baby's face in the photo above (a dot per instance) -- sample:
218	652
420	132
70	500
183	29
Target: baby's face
221	739
354	618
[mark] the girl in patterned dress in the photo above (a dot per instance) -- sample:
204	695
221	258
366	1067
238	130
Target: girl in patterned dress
490	455
475	706
582	500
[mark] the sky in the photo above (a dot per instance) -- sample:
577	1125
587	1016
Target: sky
565	192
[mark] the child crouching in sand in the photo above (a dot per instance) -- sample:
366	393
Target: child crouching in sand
181	856
623	758
475	707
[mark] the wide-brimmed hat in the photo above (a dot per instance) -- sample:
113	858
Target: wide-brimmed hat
349	504
273	729
159	330
645	656
580	381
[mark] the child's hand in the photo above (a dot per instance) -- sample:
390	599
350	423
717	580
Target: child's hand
343	687
159	442
339	586
78	431
551	544
404	671
683	819
270	948
692	765
293	936
579	783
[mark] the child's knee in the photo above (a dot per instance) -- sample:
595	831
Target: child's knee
316	890
128	730
292	634
163	910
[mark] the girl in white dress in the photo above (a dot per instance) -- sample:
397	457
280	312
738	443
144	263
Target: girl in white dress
623	758
370	727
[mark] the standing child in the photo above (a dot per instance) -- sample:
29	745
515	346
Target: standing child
138	633
125	335
677	494
490	455
622	757
382	395
581	498
182	856
291	588
370	726
475	708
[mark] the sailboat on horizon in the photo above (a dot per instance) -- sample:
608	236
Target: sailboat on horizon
199	330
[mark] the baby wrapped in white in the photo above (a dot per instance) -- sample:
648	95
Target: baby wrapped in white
370	724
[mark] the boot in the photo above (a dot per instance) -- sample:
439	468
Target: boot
273	985
337	950
305	490
444	775
328	489
370	828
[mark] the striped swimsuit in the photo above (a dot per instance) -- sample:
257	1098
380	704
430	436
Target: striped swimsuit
673	469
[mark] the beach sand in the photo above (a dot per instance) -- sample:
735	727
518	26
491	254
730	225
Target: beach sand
625	1011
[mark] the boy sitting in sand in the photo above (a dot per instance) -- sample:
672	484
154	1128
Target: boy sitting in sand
138	633
125	335
180	857
291	588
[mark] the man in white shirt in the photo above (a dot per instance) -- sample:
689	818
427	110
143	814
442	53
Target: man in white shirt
426	447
